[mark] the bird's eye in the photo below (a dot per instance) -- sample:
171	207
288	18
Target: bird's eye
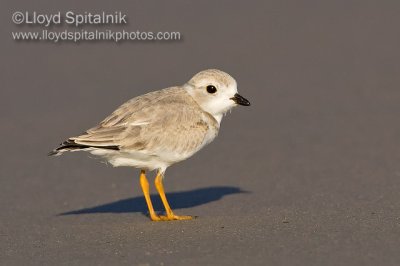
211	89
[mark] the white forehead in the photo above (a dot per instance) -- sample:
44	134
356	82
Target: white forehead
212	77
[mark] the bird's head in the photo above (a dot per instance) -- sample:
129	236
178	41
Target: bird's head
215	91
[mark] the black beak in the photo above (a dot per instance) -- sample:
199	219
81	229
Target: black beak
240	100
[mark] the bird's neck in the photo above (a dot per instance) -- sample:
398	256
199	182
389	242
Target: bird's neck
218	117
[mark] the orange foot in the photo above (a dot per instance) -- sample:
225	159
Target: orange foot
172	217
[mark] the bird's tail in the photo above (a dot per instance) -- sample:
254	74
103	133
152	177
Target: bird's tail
71	145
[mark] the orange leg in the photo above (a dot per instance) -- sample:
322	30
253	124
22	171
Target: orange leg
146	191
170	215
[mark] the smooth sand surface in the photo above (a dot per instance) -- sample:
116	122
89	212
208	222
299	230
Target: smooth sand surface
308	175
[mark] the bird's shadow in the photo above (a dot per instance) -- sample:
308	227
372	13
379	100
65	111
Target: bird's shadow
177	200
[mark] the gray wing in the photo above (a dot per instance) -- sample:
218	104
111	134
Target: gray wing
168	120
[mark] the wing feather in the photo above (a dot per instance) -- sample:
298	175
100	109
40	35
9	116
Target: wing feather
163	121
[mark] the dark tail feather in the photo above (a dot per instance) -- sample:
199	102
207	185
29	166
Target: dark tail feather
70	145
52	153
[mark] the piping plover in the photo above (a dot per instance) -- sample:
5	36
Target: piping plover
160	128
